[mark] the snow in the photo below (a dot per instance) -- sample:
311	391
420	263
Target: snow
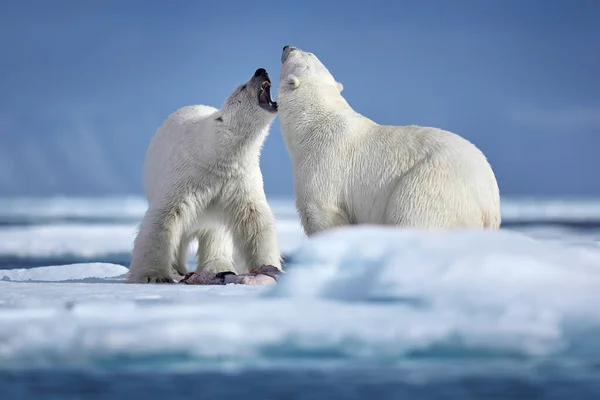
134	207
82	227
96	227
404	262
64	272
567	209
88	240
97	208
353	296
60	207
66	239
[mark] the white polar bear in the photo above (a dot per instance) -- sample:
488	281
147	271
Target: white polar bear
203	181
350	170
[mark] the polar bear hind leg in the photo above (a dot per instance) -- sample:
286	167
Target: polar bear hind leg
430	200
215	250
180	264
319	218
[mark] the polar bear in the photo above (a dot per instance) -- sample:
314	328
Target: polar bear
203	181
351	170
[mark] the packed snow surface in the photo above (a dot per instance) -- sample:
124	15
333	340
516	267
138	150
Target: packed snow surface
357	295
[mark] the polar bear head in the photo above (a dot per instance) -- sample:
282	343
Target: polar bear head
250	104
303	69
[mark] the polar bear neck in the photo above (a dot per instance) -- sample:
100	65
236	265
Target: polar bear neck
315	118
241	141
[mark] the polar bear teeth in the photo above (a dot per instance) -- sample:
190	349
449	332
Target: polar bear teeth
264	96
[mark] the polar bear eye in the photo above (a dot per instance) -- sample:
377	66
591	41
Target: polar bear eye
243	87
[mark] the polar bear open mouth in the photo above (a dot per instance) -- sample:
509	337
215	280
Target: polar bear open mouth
264	97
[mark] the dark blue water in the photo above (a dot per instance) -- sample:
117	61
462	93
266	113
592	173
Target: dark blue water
371	384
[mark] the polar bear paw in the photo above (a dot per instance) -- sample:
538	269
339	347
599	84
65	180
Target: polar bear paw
151	279
160	279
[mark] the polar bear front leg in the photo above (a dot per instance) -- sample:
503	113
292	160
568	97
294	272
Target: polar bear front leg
156	245
316	217
253	227
215	250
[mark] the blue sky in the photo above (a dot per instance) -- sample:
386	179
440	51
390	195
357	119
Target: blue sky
85	84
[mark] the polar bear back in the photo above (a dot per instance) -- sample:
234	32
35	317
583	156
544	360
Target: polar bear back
410	175
183	138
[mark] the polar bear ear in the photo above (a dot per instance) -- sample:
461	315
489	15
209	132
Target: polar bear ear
340	86
293	81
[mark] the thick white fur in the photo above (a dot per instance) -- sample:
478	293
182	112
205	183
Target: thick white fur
351	170
203	182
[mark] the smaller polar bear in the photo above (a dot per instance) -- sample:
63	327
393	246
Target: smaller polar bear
351	170
203	181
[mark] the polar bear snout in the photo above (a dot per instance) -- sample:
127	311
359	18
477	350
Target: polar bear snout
286	52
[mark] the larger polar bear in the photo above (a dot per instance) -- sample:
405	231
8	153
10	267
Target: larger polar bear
351	170
203	181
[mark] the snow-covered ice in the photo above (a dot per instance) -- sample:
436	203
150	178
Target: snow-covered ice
56	208
58	273
66	239
567	209
84	228
96	208
89	240
356	296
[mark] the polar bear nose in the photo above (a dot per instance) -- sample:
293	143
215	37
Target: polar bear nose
286	50
260	72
